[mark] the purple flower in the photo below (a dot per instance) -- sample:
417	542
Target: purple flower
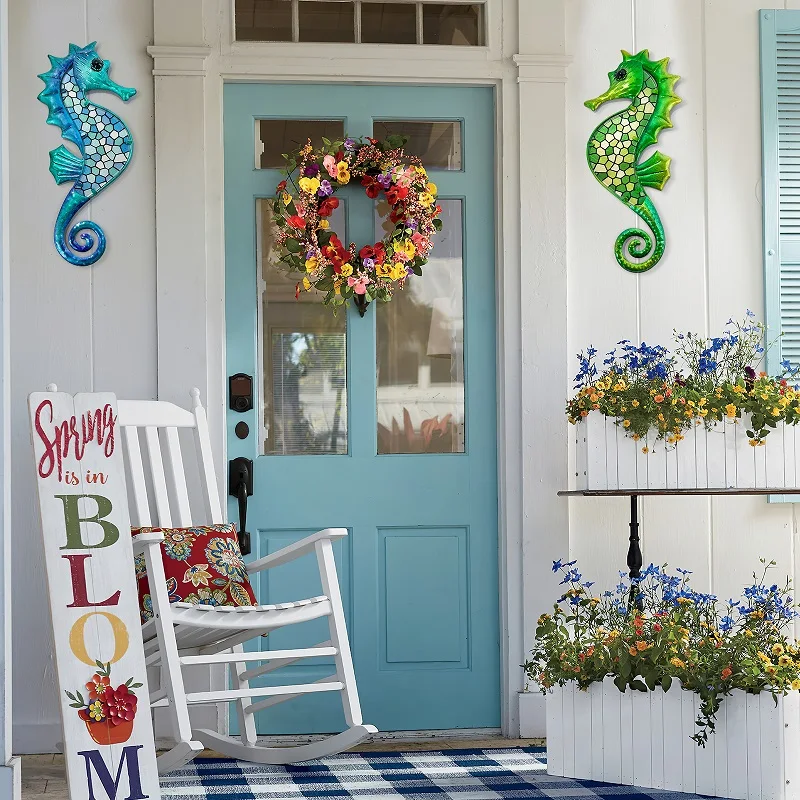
325	189
311	170
411	223
384	180
349	144
368	263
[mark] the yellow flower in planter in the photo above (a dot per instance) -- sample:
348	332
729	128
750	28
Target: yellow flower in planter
676	662
777	650
795	684
730	410
785	661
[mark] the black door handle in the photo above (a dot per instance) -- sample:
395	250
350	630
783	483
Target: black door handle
240	486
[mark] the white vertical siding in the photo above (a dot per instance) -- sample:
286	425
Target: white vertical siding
712	268
105	314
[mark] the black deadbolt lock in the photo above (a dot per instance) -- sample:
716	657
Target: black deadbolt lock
240	390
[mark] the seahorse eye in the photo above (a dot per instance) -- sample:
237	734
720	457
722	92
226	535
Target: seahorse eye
620	75
97	64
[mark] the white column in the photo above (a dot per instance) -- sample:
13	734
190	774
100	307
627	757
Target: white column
189	244
542	65
10	768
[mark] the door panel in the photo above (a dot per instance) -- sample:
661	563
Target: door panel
384	425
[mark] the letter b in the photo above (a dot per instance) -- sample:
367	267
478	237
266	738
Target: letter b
73	519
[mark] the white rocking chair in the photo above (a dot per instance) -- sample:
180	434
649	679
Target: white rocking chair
183	634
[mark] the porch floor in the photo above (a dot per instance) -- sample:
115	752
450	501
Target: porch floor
44	778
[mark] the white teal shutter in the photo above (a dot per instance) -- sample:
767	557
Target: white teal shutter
780	115
780	141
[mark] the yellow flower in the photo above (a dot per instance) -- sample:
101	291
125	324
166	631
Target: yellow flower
287	198
676	662
730	410
770	669
324	224
309	185
776	412
96	711
635	403
784	661
382	270
398	271
431	188
312	264
306	284
342	172
347	270
426	199
763	657
795	684
626	423
748	633
777	650
645	450
421	170
633	651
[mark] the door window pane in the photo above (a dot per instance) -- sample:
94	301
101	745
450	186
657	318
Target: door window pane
438	144
303	357
326	21
393	23
420	349
277	136
452	23
263	20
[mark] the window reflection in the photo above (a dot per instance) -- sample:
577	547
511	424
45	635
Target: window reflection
420	351
304	358
438	144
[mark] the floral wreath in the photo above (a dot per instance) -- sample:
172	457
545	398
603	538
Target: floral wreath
308	245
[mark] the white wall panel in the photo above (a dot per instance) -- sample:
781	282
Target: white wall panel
105	313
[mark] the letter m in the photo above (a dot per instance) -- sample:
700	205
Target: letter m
111	785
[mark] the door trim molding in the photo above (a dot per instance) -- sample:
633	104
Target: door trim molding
526	63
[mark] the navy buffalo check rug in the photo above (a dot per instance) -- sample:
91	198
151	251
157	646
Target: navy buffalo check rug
502	774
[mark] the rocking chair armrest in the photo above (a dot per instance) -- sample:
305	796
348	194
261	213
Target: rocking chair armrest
142	540
293	551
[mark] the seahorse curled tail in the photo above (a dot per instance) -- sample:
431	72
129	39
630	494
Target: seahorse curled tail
637	243
82	237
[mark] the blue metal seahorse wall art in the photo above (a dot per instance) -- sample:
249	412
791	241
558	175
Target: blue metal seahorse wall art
104	141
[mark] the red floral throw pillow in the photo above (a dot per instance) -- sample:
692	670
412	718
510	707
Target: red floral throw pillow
203	565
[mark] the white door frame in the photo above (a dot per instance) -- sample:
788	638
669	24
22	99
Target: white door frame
525	60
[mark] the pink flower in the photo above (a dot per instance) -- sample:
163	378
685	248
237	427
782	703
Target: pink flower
329	162
420	241
359	285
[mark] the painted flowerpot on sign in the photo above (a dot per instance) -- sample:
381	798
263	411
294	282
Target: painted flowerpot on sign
107	712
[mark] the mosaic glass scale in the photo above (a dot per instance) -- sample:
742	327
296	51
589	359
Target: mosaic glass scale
616	145
104	141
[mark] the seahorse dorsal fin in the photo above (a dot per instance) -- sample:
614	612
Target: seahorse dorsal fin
73	48
626	55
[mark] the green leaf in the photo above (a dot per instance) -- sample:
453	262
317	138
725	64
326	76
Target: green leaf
620	683
292	245
416	270
437	224
638	685
136	685
76	705
326	141
666	682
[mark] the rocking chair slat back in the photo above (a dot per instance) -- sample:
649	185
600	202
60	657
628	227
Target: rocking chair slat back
159	479
158	485
140	513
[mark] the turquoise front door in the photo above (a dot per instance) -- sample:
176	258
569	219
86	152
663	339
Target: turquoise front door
384	425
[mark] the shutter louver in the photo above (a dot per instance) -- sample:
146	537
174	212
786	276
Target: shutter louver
788	101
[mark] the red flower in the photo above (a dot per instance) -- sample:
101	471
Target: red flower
372	186
396	193
296	221
438	211
281	186
372	141
121	704
380	253
97	685
327	206
366	252
339	155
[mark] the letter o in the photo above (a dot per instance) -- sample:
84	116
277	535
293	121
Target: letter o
77	642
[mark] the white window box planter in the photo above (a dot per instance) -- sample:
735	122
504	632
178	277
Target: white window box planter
720	458
642	739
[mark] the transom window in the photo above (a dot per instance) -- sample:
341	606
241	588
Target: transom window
361	21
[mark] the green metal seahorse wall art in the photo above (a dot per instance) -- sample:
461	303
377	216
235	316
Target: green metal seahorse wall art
617	144
104	141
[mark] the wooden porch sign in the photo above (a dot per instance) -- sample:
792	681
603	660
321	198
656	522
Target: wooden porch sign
102	683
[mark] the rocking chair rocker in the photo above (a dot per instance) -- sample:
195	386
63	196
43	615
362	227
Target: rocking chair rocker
182	634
